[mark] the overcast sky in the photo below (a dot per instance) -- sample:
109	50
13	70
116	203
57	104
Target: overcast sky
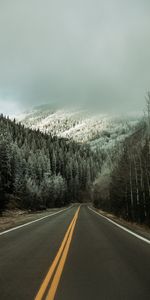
74	51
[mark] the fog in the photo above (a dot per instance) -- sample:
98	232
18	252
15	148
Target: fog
95	53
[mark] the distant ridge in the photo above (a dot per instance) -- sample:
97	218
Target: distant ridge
79	124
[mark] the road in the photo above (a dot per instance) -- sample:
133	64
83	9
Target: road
74	255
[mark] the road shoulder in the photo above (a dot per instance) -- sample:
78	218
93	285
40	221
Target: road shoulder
14	218
141	230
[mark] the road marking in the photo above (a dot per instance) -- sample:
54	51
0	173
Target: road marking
58	263
122	227
31	222
56	279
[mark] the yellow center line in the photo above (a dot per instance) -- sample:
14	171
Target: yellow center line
48	277
56	279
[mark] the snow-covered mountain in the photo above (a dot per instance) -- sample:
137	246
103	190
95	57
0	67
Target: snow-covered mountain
79	125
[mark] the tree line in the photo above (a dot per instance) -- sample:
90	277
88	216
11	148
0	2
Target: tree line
125	191
39	171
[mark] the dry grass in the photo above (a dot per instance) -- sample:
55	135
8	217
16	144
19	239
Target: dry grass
12	218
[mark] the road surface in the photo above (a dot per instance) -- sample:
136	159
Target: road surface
74	255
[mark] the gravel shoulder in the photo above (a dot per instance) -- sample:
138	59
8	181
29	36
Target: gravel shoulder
142	230
13	218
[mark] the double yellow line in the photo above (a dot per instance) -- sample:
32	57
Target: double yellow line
57	266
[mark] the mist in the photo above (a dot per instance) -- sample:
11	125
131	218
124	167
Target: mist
94	53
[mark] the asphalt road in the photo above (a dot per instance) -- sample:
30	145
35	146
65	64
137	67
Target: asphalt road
74	255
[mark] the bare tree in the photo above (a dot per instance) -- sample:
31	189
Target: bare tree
148	111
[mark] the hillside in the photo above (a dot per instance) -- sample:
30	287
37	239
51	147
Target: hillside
39	171
125	188
80	125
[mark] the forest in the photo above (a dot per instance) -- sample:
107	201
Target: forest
38	171
125	189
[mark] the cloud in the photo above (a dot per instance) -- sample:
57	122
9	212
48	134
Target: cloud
95	52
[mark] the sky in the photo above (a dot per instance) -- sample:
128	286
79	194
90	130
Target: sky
90	52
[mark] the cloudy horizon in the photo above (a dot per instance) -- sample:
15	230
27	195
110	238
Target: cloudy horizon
92	52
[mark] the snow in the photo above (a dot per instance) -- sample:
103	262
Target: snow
100	130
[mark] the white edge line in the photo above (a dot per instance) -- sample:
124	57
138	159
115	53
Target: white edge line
122	227
34	221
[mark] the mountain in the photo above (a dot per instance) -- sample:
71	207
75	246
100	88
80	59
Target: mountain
79	125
